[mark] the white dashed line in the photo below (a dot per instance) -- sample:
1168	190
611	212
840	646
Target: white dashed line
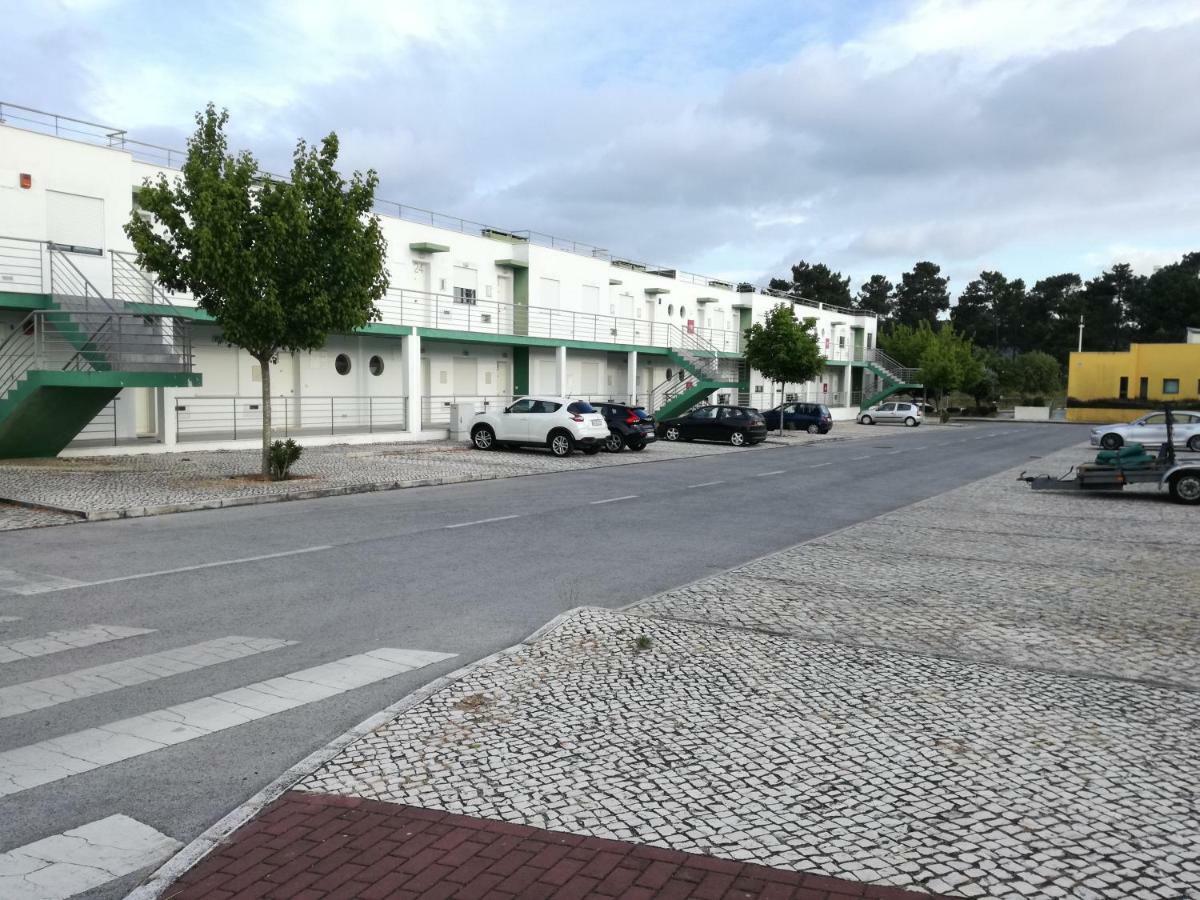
854	458
765	474
705	484
818	465
17	699
83	858
82	751
614	499
482	521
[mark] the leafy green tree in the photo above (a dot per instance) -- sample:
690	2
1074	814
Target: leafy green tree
1170	302
1033	375
1050	316
875	296
988	310
922	295
1104	305
906	343
279	265
948	362
784	348
816	283
982	382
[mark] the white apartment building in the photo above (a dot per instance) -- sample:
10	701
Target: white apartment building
93	354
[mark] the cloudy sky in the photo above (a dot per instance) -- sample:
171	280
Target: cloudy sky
723	137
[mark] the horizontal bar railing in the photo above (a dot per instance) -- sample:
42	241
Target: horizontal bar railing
239	416
22	265
436	408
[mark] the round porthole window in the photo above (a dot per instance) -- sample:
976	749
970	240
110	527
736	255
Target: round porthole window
670	374
683	312
342	364
670	309
376	365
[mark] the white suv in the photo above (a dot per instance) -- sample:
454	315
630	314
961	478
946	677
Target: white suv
555	422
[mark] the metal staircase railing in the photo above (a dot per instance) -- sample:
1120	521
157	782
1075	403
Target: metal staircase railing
901	374
72	288
132	284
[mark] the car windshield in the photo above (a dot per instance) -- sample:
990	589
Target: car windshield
581	407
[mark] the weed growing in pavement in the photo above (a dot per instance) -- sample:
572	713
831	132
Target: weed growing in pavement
282	455
643	642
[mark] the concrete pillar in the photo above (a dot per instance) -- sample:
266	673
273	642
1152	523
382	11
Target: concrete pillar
411	349
631	360
168	418
560	371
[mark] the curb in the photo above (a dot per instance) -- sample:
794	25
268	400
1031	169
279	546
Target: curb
162	878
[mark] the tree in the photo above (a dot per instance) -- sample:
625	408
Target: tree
1051	318
906	343
783	348
279	265
1105	305
1170	301
922	295
983	382
988	310
1034	375
815	283
875	296
948	362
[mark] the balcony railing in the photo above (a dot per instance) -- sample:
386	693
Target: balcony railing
239	416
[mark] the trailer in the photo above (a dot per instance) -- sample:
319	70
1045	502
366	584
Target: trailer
1132	464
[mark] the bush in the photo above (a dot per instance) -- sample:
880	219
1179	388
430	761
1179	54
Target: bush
283	455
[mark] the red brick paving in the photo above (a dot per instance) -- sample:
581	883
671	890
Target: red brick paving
322	847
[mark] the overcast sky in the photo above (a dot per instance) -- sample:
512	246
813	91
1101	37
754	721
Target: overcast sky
727	138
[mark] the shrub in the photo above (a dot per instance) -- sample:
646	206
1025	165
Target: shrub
283	455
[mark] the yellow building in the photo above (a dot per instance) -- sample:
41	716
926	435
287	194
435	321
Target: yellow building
1145	373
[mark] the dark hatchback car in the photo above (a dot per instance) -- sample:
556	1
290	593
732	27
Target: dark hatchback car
738	425
814	418
628	426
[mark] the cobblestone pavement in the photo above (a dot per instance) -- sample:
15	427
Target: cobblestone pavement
908	708
153	480
13	517
311	846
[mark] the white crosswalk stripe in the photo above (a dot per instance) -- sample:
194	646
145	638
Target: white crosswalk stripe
51	760
4	620
83	858
58	641
30	695
32	582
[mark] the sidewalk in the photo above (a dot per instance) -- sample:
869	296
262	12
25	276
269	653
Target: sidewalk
995	719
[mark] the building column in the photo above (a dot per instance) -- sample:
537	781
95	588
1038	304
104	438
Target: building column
410	347
631	361
168	418
560	371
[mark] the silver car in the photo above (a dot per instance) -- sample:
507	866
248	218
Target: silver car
892	413
1151	430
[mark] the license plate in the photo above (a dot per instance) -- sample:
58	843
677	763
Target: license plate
597	421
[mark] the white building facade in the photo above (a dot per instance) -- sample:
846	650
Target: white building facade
474	314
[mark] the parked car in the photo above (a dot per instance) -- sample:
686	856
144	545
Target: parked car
739	425
814	418
1151	430
555	422
892	413
628	426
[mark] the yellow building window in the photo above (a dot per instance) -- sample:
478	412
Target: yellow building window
1170	385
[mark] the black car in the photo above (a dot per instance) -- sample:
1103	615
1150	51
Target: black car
628	426
814	418
739	425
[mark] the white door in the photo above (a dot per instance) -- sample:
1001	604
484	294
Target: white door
504	311
466	376
547	378
418	303
504	383
589	377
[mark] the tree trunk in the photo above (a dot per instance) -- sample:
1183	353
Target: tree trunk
782	401
264	364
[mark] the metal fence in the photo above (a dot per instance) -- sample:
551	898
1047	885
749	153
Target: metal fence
435	408
239	416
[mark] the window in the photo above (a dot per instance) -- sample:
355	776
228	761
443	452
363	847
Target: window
869	337
75	222
842	342
342	364
522	406
705	412
732	412
580	408
375	364
1170	386
1123	392
1143	388
1156	419
545	406
464	295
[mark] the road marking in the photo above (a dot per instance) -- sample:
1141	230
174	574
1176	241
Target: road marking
705	484
482	521
49	586
614	499
83	858
982	437
44	692
4	620
32	583
765	474
893	452
868	456
58	641
82	751
995	433
818	465
922	447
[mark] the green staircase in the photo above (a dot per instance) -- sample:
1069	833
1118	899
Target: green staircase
896	378
73	354
706	373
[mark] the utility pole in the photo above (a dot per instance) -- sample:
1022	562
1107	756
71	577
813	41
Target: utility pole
1081	332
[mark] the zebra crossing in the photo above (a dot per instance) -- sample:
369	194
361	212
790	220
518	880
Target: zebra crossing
92	854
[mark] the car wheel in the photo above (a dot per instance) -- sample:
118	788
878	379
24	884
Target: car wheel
561	444
738	439
672	433
1185	488
910	422
866	420
813	429
591	451
637	445
1111	442
483	438
1194	443
614	443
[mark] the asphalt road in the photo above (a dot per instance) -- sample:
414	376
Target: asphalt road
463	569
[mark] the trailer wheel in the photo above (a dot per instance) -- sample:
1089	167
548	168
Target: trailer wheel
1185	488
